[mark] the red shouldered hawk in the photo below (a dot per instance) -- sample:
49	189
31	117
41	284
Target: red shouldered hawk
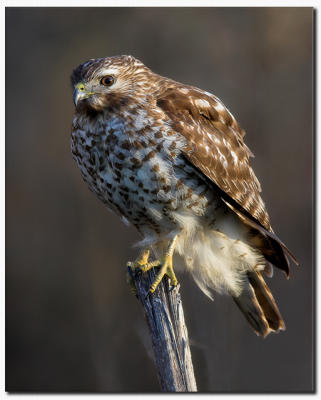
171	159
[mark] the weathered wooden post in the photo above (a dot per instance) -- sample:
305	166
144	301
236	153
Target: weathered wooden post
165	317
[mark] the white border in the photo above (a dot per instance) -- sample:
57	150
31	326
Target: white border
137	3
2	207
160	3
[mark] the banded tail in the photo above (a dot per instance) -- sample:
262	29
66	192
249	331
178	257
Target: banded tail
258	306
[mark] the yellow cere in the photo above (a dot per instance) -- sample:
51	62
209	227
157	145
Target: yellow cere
80	86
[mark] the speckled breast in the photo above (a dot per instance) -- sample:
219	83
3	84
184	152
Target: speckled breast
138	173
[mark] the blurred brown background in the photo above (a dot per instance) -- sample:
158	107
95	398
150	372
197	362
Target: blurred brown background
71	322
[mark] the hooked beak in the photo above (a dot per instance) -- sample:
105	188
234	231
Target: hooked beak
80	93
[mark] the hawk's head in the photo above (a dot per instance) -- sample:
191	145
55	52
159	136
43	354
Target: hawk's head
108	82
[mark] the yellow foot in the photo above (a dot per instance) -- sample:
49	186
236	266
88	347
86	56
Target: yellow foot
141	261
166	268
132	266
165	264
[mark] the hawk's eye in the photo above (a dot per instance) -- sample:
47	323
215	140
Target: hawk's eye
107	80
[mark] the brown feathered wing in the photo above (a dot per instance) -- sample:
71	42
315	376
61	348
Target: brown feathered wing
217	151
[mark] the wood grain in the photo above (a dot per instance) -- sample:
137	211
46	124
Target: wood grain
165	318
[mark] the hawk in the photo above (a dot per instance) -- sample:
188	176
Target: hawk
171	159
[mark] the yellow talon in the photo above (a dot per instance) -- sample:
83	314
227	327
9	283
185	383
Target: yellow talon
139	263
166	268
165	265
